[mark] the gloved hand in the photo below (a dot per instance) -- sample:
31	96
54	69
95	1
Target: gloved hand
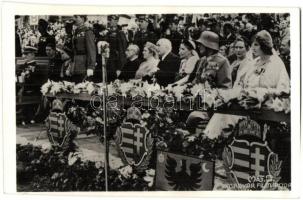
90	72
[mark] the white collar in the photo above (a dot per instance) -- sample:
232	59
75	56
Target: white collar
134	58
164	56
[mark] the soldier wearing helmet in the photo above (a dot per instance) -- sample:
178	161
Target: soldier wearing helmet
212	67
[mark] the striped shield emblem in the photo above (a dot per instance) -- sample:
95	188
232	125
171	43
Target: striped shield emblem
132	143
58	132
248	162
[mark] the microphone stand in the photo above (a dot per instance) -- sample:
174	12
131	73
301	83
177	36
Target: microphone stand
104	97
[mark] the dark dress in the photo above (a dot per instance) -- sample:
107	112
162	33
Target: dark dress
43	41
129	70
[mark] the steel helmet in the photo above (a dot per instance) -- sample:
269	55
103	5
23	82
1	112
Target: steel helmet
209	39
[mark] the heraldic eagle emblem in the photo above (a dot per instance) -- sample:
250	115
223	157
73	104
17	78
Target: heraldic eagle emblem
180	179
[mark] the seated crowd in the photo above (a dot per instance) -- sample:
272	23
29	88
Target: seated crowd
217	50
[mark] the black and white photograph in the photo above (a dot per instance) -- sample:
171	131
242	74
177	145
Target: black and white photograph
163	101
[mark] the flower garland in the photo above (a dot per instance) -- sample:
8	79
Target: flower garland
250	98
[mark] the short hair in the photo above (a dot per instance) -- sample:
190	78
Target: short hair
51	45
135	48
244	40
166	42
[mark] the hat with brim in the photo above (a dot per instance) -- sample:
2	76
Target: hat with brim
142	17
113	17
124	20
29	49
209	39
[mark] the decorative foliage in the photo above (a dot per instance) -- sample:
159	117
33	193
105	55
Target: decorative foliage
54	171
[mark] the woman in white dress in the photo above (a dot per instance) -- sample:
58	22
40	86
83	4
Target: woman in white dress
149	66
268	70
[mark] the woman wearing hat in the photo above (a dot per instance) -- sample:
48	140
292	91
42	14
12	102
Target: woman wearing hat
189	58
149	66
268	70
212	67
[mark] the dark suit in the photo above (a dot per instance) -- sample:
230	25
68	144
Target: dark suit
117	58
169	67
129	70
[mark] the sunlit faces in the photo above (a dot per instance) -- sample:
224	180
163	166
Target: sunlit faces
240	49
130	52
284	48
223	50
256	49
146	53
184	52
162	47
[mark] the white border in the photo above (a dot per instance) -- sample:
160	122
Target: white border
8	80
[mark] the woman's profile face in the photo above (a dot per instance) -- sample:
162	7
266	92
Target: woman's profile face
240	49
184	51
256	49
146	53
222	50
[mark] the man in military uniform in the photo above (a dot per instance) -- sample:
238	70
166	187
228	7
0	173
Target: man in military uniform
84	49
117	46
30	82
45	38
212	67
58	60
144	35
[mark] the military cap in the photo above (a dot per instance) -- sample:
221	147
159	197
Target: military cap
30	49
142	17
209	39
112	17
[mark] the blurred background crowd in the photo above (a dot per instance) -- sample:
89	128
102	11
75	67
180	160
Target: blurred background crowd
121	30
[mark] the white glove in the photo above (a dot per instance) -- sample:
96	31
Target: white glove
118	72
67	73
90	72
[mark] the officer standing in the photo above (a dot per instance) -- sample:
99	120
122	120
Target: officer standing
144	35
84	50
117	46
